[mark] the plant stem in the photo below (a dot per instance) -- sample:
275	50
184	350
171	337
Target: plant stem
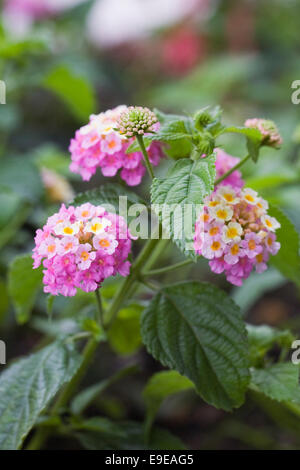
128	281
166	269
228	173
140	140
42	435
100	309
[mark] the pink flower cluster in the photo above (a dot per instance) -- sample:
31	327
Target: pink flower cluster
80	247
235	232
98	144
224	163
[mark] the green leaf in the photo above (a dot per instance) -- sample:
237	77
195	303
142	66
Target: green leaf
74	90
88	395
197	329
263	337
22	177
108	195
287	260
124	335
23	285
14	211
253	136
160	386
178	198
278	382
176	131
27	387
4	300
132	438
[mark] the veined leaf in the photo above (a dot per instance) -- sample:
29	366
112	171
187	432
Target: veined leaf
27	387
197	329
278	382
253	137
178	198
287	260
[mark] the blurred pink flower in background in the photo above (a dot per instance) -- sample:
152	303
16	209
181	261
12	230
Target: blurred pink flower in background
19	15
181	50
112	23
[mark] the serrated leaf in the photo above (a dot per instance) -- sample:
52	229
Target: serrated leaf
108	195
278	382
160	386
176	133
197	329
27	387
23	285
287	260
124	335
177	199
262	338
253	136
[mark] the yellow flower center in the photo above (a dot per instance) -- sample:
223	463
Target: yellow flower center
269	223
85	213
221	214
229	197
51	248
68	246
97	226
260	258
270	241
234	250
216	246
251	245
84	256
112	144
104	243
214	203
232	232
249	198
68	230
214	231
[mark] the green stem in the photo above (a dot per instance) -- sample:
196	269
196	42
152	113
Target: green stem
234	168
100	311
129	281
42	434
140	140
166	269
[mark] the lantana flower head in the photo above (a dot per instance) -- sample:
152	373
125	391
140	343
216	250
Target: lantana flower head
81	246
136	120
268	130
98	144
235	232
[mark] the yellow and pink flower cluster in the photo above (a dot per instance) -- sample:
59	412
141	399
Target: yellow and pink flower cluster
98	144
80	247
235	232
